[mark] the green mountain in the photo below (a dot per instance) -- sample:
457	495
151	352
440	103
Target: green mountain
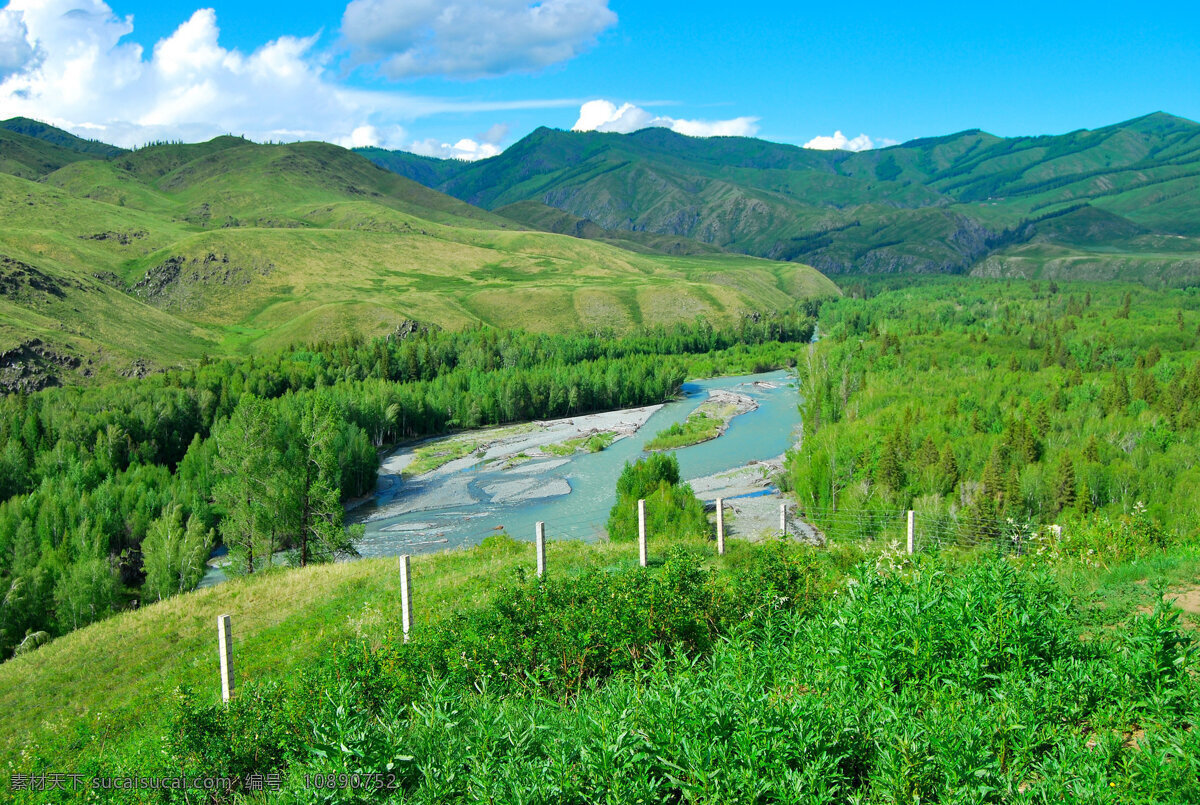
1121	201
55	136
157	256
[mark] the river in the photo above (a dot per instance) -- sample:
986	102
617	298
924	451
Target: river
477	495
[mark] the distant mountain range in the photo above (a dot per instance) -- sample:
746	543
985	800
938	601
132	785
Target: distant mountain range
118	262
1118	202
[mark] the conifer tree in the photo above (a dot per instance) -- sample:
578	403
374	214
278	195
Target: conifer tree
1065	485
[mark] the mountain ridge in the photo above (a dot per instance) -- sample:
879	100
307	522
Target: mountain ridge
935	204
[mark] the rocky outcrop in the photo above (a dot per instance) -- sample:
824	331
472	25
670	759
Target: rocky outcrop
21	282
33	365
174	282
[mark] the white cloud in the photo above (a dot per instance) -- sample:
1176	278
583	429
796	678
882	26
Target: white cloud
840	142
604	115
467	149
15	51
472	38
69	63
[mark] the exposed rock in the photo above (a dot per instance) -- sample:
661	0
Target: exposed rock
123	238
22	282
110	278
409	327
172	282
33	365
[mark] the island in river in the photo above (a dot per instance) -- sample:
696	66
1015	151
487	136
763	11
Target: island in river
454	491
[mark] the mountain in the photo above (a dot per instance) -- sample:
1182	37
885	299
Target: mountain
968	202
155	257
55	136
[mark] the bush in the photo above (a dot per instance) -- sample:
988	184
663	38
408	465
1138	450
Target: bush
672	509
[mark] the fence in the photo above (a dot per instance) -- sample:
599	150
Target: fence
918	532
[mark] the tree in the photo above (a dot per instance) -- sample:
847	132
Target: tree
1065	487
311	498
172	556
671	508
85	593
247	459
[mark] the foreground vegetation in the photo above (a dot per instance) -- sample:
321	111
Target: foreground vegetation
779	671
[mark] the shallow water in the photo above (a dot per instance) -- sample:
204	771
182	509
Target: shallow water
460	509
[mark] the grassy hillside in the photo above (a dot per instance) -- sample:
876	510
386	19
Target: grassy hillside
153	257
961	203
542	217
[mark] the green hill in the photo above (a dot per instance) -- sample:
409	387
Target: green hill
157	256
63	139
966	202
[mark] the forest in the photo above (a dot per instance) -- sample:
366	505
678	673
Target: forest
113	496
999	401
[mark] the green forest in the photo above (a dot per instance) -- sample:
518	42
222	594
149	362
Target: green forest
993	401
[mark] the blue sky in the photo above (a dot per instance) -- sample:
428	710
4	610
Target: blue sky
397	73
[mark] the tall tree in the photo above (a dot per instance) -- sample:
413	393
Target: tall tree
247	459
311	498
172	555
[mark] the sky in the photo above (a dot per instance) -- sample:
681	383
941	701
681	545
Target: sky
467	78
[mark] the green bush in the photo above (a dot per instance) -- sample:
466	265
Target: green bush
672	509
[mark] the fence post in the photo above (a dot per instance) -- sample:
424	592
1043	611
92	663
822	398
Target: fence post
225	649
721	526
912	530
405	596
540	540
783	519
642	533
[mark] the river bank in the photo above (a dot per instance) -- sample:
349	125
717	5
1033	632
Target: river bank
454	491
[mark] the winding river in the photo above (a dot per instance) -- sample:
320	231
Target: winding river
472	497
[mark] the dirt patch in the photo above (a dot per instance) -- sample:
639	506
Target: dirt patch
1187	600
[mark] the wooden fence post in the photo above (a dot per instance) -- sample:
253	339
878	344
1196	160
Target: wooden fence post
225	649
721	526
405	596
783	519
912	531
642	533
540	540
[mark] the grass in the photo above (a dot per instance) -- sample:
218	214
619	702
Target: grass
704	424
440	452
274	245
584	444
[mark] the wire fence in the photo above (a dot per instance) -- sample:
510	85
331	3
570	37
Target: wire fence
913	531
923	532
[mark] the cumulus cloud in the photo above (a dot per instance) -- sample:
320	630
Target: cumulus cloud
15	51
601	115
70	63
840	142
465	148
412	38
